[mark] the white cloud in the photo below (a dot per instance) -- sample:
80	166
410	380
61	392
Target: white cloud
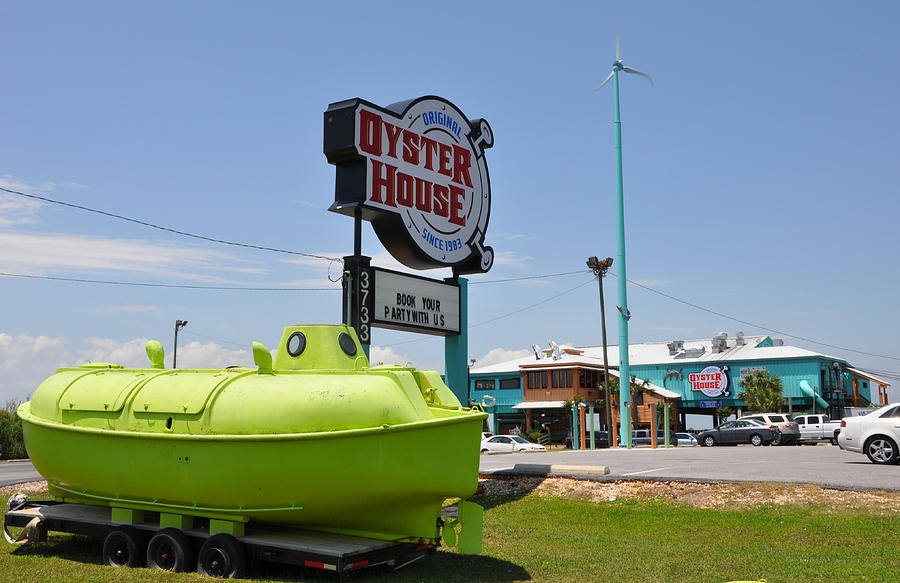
211	355
25	361
511	258
19	210
36	253
386	355
498	355
131	353
191	355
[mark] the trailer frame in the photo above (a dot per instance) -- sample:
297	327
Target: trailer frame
338	553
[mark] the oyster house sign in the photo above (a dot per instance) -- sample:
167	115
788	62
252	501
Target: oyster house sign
416	170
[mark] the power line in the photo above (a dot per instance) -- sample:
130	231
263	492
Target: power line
528	277
167	285
514	312
167	229
760	326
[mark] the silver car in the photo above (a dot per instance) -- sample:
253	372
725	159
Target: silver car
788	432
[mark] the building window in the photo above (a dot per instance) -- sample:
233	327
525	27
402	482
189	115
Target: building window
544	380
484	385
510	383
588	379
639	398
554	379
568	378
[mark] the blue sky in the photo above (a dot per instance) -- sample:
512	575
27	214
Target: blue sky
761	173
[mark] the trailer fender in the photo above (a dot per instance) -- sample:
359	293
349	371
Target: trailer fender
34	532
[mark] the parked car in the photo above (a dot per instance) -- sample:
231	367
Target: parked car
686	439
642	437
638	437
601	439
877	434
738	431
788	433
817	428
509	443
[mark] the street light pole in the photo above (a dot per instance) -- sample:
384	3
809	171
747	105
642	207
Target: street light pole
179	324
600	268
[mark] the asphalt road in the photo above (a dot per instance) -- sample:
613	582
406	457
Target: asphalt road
17	471
822	465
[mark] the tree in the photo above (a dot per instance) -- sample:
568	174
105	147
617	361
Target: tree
723	413
762	391
568	405
12	444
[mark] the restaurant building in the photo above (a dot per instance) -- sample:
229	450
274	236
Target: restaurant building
692	376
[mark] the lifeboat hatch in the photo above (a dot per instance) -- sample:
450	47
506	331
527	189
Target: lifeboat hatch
100	391
172	393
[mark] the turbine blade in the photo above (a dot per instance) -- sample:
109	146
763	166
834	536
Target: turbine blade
618	52
605	81
636	72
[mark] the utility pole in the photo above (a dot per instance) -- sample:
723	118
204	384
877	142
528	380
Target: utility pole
600	268
179	324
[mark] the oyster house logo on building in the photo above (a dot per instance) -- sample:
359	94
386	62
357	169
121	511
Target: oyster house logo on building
712	381
417	170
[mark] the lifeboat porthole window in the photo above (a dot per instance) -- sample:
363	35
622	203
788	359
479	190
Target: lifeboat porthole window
296	344
169	423
347	344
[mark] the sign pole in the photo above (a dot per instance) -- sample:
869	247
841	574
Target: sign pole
359	304
456	347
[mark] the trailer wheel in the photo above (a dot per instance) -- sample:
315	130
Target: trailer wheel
170	550
222	556
124	547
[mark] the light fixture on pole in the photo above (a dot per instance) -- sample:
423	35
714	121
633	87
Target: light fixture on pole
600	268
179	324
624	314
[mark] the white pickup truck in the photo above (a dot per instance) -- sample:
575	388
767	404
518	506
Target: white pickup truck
818	427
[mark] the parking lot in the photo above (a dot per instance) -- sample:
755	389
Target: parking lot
823	465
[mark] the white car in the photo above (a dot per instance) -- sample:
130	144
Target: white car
877	434
686	439
509	443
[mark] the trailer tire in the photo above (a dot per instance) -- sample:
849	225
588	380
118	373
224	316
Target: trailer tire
222	556
124	547
170	550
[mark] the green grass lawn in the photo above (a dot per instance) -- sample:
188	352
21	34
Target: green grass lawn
535	538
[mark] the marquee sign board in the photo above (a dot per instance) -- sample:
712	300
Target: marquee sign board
712	381
416	304
399	301
417	171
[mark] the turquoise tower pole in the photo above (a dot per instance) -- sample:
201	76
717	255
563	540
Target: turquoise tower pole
624	314
624	372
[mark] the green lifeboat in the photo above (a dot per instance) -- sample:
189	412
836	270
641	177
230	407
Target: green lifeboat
315	438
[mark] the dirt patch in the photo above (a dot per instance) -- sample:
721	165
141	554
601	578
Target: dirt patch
695	494
24	487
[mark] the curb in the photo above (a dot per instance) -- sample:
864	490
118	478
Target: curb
558	470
